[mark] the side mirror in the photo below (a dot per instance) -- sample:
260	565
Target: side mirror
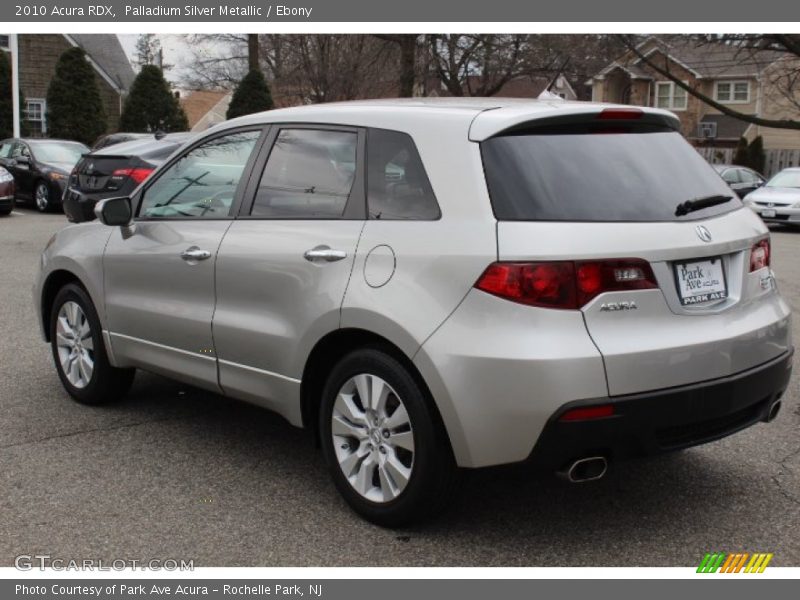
115	212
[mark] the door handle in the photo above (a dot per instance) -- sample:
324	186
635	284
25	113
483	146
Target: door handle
194	254
325	253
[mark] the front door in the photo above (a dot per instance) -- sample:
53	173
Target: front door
160	271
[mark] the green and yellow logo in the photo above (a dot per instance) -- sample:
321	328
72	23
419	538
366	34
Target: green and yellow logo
741	562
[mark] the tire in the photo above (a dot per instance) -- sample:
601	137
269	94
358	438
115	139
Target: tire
5	212
83	365
403	467
43	203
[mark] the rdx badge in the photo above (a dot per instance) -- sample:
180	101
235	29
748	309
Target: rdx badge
612	306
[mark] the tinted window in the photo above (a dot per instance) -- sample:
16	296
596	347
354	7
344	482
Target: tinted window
397	186
203	182
309	174
585	175
20	149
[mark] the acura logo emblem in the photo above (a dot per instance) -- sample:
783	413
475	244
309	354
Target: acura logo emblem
703	233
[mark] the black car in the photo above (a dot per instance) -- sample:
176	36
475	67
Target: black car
115	170
40	168
740	179
109	139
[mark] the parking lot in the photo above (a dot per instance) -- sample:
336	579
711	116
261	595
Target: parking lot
175	472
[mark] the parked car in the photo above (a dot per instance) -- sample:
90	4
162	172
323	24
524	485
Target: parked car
6	192
740	179
427	285
779	200
109	139
115	171
40	168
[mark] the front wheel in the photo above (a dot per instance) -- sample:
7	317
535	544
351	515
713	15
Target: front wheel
79	352
41	197
387	451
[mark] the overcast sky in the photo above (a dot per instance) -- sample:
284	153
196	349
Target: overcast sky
174	46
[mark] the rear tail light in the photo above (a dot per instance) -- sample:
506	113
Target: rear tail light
759	255
564	284
138	175
620	114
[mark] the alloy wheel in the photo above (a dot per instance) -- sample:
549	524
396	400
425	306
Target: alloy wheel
42	197
373	438
75	345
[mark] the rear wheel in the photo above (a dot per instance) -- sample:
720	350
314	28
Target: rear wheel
79	351
388	455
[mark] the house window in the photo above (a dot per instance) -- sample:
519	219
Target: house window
4	42
35	116
732	92
670	96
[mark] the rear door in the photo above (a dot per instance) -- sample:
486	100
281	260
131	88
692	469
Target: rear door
590	193
284	264
159	273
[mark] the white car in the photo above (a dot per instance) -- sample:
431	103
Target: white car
778	201
430	286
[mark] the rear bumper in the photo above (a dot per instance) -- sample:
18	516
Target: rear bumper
79	207
664	420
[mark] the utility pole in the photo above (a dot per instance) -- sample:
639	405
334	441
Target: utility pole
13	47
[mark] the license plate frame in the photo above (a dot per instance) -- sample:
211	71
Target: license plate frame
768	213
714	294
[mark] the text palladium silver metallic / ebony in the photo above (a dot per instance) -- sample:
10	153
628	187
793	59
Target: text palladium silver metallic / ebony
428	285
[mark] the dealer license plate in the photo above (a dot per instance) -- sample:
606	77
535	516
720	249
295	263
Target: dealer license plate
701	281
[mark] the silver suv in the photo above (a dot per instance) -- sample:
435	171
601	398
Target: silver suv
435	285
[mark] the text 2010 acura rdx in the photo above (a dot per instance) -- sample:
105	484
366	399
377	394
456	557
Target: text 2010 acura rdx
428	285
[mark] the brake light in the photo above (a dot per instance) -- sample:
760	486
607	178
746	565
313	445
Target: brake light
138	175
564	284
620	114
586	413
759	255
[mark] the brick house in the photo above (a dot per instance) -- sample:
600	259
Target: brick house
38	55
746	81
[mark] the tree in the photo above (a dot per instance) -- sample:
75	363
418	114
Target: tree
251	96
6	104
784	49
756	158
75	109
151	106
407	43
740	156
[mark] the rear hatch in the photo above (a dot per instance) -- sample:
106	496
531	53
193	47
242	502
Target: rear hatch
672	292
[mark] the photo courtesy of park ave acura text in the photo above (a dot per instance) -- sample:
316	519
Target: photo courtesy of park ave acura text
397	299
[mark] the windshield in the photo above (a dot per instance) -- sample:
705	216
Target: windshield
581	174
785	179
54	152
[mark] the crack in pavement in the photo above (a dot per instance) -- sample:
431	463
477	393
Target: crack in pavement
95	430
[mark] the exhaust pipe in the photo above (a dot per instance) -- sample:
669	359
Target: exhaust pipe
773	411
584	469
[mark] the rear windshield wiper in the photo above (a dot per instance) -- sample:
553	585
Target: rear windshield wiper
684	208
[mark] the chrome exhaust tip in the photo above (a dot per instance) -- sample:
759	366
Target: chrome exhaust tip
773	411
590	468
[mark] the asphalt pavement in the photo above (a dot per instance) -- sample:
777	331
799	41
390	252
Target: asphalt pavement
174	472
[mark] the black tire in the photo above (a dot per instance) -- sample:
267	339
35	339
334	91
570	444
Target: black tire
48	206
434	476
107	383
5	212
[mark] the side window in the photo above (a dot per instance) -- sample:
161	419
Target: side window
731	176
748	176
309	175
203	182
5	149
397	185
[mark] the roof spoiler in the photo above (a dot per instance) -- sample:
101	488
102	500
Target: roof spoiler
492	122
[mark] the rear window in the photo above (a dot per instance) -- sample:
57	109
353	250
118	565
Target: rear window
579	174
